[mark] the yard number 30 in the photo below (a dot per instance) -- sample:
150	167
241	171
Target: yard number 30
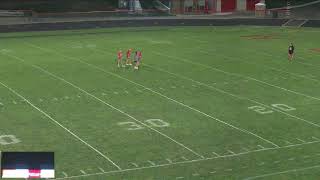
8	139
150	122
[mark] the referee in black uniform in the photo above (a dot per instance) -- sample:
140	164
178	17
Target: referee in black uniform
290	52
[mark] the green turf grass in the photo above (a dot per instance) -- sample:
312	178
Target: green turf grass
203	83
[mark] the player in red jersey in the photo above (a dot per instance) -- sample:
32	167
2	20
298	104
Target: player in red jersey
120	55
138	59
129	61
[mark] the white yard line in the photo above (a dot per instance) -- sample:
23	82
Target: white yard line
192	161
216	154
102	170
184	158
109	105
65	174
169	160
301	140
283	71
245	149
231	152
234	95
238	75
282	172
288	142
134	164
155	92
152	163
56	122
280	70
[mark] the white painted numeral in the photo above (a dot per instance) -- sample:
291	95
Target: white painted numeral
283	107
157	123
8	139
133	125
263	110
260	109
150	122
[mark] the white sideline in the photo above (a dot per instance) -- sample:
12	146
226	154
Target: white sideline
56	122
189	161
282	172
233	95
155	92
109	105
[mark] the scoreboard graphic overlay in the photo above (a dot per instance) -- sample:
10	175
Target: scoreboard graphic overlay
27	165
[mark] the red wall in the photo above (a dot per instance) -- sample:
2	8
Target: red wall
228	5
251	4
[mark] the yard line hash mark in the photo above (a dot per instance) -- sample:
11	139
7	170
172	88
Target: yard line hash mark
288	142
301	140
216	154
152	163
134	164
65	174
169	160
102	170
197	160
184	158
282	172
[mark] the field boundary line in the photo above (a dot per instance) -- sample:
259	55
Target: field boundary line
162	95
282	172
56	122
233	95
238	75
191	161
109	105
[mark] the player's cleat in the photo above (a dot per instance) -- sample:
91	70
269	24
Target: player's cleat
123	66
136	67
130	64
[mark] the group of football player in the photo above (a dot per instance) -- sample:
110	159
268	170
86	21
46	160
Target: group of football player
136	57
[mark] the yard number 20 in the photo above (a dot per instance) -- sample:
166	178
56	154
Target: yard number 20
263	110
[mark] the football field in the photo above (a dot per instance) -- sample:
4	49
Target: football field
206	103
